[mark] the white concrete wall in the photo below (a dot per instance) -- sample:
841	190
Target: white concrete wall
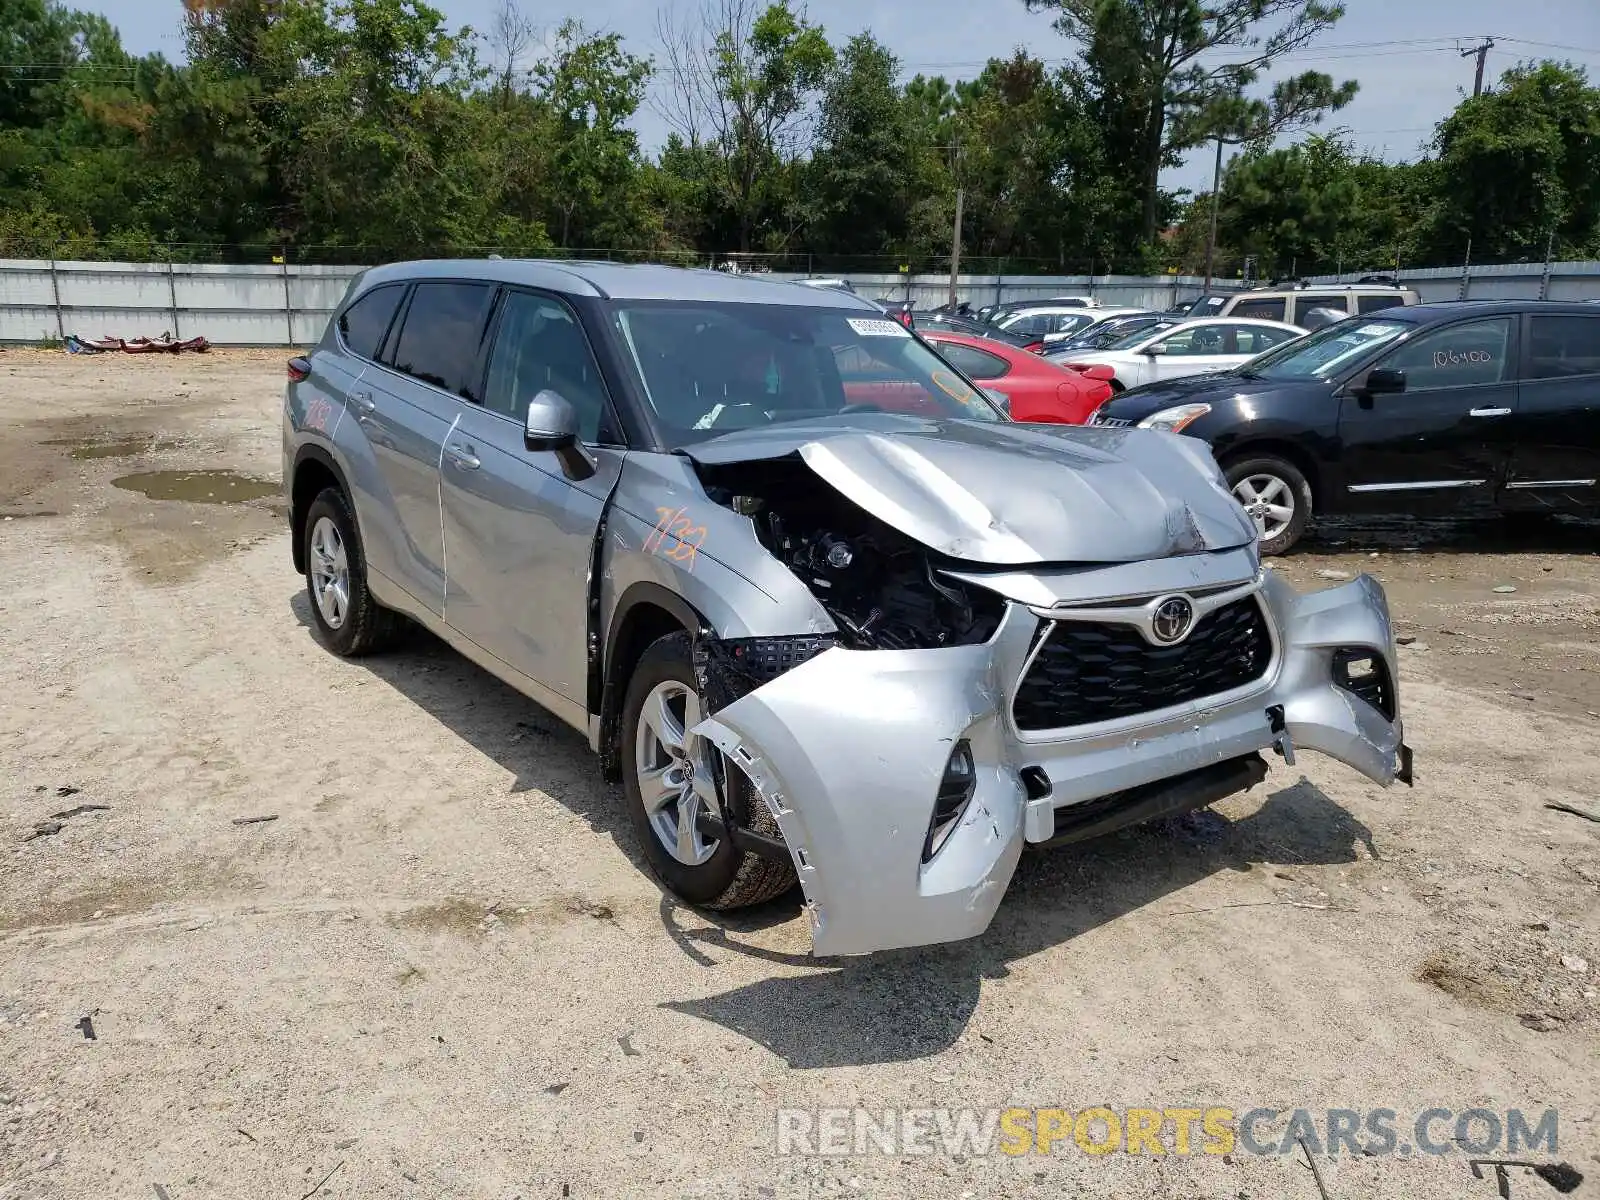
233	305
230	305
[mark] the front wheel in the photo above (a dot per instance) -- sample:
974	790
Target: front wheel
1275	495
671	777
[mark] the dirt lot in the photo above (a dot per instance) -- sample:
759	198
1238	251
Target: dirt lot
440	971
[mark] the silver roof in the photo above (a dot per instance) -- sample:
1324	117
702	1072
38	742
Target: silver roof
622	281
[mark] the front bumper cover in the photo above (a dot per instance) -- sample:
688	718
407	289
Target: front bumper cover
847	750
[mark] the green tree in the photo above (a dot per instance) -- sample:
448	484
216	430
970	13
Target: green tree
1518	166
862	160
744	85
1163	76
593	88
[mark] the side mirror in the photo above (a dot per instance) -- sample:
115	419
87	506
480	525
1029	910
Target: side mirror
552	426
1155	351
1384	381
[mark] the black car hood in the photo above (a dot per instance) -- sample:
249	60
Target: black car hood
1140	402
1003	493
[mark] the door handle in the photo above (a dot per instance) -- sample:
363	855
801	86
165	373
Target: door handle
365	403
463	456
1490	412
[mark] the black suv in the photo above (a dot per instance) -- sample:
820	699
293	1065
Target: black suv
1425	409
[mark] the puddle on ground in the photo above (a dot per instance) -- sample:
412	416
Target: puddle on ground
123	446
199	487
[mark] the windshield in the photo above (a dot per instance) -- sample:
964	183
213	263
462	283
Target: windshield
1142	334
711	368
1209	306
1322	354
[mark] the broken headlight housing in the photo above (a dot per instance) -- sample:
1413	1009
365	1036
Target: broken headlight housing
883	590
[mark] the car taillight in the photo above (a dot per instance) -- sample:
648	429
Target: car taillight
1079	367
1101	372
1034	347
299	369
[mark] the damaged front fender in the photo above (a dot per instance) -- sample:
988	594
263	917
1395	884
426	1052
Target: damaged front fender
1319	713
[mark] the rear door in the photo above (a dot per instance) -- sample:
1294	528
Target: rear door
518	534
407	406
1192	350
1445	442
1555	458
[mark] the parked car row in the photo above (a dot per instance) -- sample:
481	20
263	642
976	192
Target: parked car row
1426	409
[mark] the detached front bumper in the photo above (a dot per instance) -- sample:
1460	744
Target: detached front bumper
848	750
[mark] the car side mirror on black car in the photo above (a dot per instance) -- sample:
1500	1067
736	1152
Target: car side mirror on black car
552	425
1383	381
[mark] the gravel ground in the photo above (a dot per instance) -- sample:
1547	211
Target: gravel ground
440	970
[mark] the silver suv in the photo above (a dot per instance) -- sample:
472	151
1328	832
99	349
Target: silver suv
825	612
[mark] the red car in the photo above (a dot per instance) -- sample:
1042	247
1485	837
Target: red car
1036	388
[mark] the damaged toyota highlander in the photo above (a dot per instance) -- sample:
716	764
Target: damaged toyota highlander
827	614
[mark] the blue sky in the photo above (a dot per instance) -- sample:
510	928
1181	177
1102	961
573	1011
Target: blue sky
1403	52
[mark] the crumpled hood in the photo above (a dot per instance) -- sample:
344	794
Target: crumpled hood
1007	494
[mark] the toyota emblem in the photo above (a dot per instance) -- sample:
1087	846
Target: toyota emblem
1172	620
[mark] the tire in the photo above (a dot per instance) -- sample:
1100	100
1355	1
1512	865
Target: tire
359	624
725	877
1261	483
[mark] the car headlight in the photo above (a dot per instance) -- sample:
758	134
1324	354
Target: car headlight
1174	420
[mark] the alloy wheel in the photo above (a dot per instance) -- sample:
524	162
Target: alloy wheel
330	573
1270	502
675	772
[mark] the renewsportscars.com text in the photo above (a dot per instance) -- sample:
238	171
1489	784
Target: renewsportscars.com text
839	1132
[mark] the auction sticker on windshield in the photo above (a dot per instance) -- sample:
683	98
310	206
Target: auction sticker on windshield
867	327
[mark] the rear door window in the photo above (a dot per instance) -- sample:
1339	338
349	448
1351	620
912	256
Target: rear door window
1253	339
441	335
364	323
1563	346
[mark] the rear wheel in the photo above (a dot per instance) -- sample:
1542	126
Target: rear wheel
347	619
1275	495
671	777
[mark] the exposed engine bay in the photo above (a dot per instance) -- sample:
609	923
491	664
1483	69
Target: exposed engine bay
883	590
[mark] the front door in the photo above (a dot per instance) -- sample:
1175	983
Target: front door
1442	444
518	534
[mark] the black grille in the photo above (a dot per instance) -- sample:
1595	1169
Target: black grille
1090	671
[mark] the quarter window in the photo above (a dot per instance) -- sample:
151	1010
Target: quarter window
1459	356
364	323
1263	309
539	346
1368	304
972	362
442	331
1559	347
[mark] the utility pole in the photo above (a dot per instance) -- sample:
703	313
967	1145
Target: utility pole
1211	238
1482	51
955	235
955	249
